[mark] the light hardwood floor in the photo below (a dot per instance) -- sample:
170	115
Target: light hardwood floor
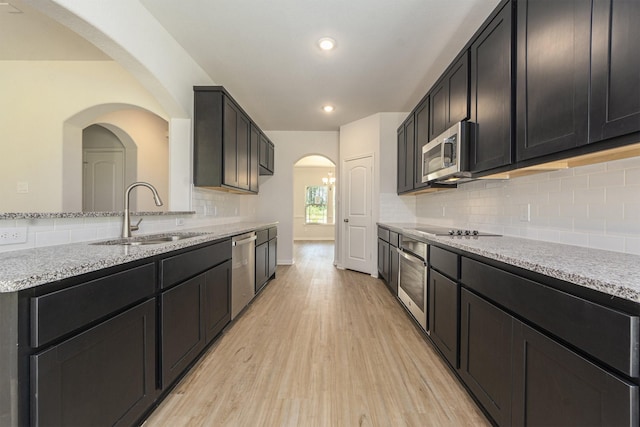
320	347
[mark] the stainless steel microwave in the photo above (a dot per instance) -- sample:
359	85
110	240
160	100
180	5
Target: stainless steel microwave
444	158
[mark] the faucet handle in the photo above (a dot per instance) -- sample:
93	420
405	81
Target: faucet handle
136	227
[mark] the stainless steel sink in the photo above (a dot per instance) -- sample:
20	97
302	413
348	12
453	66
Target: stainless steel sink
154	239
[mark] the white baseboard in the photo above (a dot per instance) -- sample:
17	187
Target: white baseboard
315	239
286	262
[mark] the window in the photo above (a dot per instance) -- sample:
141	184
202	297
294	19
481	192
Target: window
316	204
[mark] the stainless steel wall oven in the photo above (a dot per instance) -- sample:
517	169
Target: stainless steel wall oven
412	283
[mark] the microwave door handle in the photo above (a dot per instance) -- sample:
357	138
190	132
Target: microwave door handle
444	164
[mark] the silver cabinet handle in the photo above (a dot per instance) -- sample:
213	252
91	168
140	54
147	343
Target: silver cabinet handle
244	241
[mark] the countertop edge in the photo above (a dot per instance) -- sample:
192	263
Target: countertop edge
93	257
601	284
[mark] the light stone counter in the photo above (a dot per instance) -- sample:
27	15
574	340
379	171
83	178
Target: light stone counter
32	267
613	273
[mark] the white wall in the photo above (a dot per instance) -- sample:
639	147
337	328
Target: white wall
303	177
595	206
151	136
376	135
37	98
276	192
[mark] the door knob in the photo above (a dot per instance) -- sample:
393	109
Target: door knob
346	220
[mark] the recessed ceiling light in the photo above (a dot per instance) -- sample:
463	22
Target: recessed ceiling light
326	43
328	108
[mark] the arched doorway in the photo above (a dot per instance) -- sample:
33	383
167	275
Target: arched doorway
314	202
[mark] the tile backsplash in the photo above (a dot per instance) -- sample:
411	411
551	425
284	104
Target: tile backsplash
211	207
594	206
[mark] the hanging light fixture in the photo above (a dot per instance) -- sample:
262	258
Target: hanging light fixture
329	179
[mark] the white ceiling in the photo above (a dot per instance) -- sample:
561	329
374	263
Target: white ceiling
264	52
389	52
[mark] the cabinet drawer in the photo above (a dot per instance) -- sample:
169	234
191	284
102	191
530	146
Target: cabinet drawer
178	268
444	261
273	232
394	238
58	313
261	236
383	234
609	335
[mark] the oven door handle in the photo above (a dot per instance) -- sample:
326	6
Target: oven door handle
409	257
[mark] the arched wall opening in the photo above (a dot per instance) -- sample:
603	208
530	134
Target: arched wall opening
314	201
144	135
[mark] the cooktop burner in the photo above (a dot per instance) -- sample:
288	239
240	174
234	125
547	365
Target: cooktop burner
455	232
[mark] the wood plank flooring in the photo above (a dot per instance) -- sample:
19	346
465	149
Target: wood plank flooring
320	347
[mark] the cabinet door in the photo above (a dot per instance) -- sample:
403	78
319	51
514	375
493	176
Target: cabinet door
262	265
438	109
254	157
406	146
394	268
449	98
422	137
271	162
244	154
555	386
552	76
485	354
230	143
104	376
273	256
217	299
615	69
457	81
443	315
491	112
383	259
183	335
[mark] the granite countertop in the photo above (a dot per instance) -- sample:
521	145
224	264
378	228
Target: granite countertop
32	267
56	215
613	273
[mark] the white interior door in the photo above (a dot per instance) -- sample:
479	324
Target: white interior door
358	186
103	180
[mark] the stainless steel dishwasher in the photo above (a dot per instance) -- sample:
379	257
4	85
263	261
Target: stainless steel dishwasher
243	278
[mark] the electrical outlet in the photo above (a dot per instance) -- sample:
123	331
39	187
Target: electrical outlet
525	212
11	236
179	222
444	211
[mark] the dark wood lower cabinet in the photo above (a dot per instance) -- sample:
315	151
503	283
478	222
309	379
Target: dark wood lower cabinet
217	299
383	259
485	354
182	329
523	377
103	376
394	269
273	256
266	256
555	386
443	315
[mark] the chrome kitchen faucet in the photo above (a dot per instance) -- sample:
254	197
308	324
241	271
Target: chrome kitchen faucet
127	228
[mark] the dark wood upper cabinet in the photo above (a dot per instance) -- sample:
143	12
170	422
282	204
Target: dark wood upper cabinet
225	147
449	98
421	116
267	154
406	147
492	84
254	158
615	69
553	45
